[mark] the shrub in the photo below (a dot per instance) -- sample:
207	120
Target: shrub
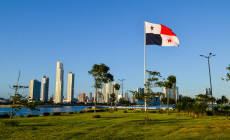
125	111
161	111
96	116
11	123
75	112
209	113
71	112
32	115
153	111
46	114
56	114
4	115
81	111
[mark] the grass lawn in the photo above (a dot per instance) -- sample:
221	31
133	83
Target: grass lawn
117	125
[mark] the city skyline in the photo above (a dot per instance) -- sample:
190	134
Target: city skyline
60	31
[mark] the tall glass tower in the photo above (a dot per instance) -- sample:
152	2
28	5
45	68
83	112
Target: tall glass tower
70	88
45	89
59	83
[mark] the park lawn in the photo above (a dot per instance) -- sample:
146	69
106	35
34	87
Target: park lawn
117	125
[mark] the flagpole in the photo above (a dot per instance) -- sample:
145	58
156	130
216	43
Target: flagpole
144	63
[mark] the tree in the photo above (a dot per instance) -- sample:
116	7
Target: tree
215	110
19	101
101	75
179	107
225	109
184	101
165	101
117	87
172	79
228	74
112	98
168	85
148	95
223	100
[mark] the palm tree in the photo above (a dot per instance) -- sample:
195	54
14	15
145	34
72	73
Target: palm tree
117	87
112	98
215	110
225	109
179	107
101	75
172	79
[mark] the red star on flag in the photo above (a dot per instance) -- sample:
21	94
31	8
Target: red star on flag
169	40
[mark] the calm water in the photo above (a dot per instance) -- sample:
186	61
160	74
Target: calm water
25	111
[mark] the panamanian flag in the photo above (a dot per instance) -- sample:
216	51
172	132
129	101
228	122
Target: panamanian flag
157	34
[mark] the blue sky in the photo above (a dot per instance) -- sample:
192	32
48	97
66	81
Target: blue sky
34	35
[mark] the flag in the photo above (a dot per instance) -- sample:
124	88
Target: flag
157	34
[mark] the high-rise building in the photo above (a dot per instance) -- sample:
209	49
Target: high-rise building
109	88
70	88
35	89
59	83
82	97
140	90
208	92
45	89
90	95
171	93
126	96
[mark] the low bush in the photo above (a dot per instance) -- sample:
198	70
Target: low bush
71	112
11	123
96	116
81	111
32	115
46	114
56	114
209	113
153	111
75	112
161	111
125	111
4	115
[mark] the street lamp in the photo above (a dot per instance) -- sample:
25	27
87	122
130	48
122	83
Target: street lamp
209	56
122	85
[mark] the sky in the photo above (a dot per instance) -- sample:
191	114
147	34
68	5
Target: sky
34	35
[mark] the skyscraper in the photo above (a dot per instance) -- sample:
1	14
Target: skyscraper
70	88
126	96
109	88
82	97
35	89
171	93
90	95
208	92
45	88
59	83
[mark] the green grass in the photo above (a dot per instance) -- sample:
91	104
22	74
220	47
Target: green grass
117	125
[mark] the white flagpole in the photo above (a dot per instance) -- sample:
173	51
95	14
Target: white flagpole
144	63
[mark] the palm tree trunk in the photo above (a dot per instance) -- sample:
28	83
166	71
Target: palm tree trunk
115	107
168	102
95	102
175	94
111	105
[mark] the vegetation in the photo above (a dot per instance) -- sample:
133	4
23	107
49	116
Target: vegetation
117	87
148	95
101	75
117	125
113	98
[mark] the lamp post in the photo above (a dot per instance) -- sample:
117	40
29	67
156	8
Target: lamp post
209	56
122	85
